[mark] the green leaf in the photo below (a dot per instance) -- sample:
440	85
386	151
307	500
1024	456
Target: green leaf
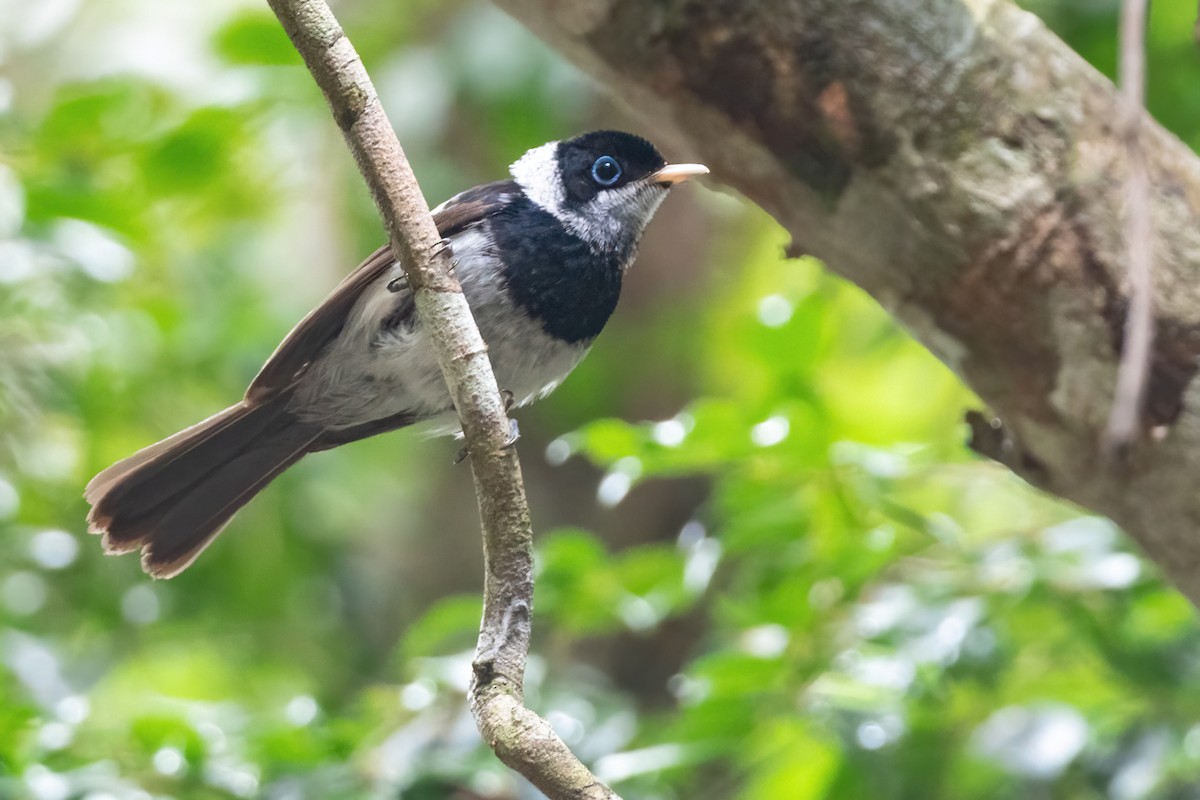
255	38
449	626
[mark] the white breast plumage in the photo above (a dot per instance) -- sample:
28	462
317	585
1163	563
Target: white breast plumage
370	373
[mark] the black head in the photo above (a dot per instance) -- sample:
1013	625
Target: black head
573	229
603	187
603	161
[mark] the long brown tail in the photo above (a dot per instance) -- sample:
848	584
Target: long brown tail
172	498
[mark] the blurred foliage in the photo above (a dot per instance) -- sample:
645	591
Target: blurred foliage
783	577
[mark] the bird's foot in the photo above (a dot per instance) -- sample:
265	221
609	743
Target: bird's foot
442	246
514	434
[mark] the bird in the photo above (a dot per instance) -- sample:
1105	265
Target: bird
541	258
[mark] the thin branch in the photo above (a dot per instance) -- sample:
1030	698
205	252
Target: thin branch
1123	420
522	739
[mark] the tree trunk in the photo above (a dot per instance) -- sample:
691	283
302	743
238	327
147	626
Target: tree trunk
964	166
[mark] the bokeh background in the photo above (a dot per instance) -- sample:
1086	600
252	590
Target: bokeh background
768	566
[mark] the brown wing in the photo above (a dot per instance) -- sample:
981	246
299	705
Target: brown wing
321	325
472	206
318	327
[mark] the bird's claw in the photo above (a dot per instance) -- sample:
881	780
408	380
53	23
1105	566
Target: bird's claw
442	246
514	434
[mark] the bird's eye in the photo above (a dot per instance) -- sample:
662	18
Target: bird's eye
606	171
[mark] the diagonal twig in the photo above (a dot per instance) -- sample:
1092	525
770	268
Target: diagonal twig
1123	420
522	739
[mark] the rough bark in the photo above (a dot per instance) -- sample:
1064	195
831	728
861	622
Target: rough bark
965	167
522	739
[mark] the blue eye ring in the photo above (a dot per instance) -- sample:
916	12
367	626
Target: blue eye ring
606	171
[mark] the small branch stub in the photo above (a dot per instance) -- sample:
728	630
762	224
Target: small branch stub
1124	421
523	740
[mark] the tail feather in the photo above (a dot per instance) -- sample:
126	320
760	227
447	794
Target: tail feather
179	444
147	475
189	526
172	498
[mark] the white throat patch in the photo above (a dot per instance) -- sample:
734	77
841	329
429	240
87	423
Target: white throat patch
537	172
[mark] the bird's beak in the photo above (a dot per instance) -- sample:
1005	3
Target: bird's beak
677	173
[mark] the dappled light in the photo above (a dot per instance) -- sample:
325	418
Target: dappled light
767	564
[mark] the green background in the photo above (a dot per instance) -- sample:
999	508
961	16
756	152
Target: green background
768	566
